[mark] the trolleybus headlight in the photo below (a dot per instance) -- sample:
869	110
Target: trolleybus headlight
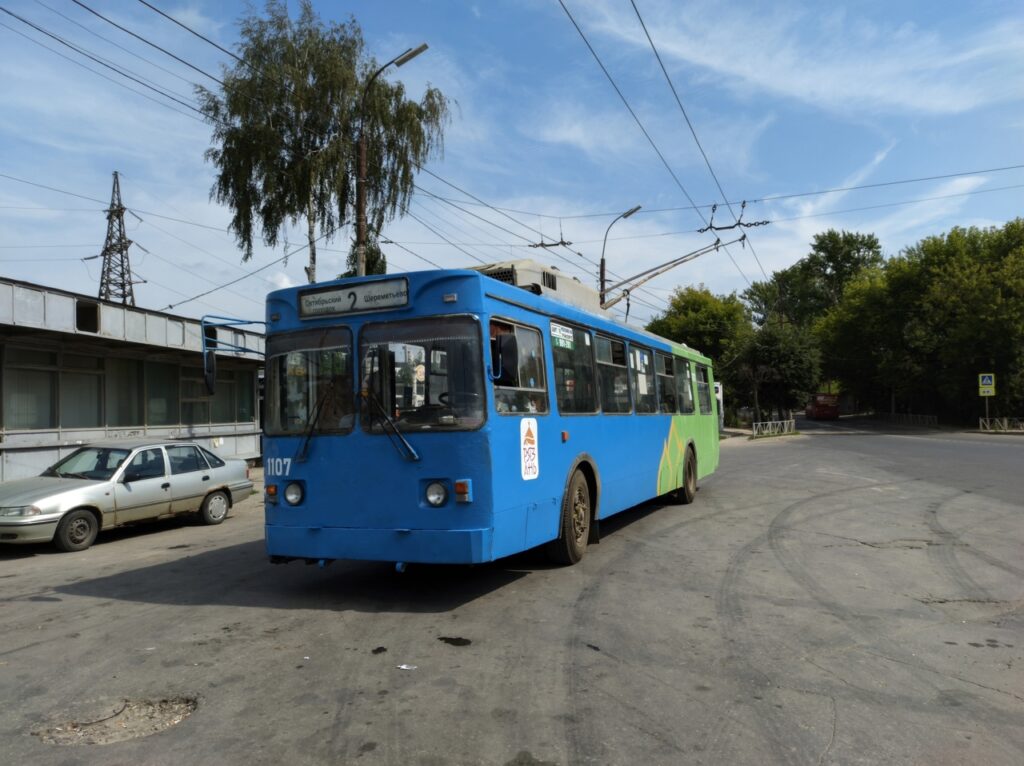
437	493
293	493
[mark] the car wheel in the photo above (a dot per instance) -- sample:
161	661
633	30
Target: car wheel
215	508
76	531
575	526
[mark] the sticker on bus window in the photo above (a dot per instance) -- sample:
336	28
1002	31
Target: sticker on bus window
562	336
529	460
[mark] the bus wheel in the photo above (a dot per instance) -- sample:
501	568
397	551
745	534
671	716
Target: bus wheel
688	491
575	527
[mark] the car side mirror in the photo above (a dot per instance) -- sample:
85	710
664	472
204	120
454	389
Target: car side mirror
129	476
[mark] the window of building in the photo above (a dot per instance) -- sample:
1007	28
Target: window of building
80	400
575	382
195	399
124	393
642	372
664	366
29	398
612	375
161	394
684	386
704	389
521	387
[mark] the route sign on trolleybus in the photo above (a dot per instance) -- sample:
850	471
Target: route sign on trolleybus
459	416
987	384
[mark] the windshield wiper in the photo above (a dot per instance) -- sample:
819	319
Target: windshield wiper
412	453
311	422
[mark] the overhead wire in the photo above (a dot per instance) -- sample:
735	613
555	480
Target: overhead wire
643	129
693	132
189	29
149	43
770	198
177	98
117	45
99	74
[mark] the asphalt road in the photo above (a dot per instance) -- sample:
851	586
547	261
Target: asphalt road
849	595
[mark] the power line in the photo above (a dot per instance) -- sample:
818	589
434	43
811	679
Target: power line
99	74
693	132
427	226
770	198
147	42
116	45
99	60
197	34
189	29
643	129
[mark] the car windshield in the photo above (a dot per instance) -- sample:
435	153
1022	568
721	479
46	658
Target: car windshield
309	382
425	374
97	463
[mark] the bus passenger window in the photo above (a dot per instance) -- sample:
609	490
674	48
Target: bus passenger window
643	380
666	383
613	375
703	390
520	387
573	352
684	389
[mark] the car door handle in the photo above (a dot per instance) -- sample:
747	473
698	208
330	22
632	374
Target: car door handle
165	485
206	478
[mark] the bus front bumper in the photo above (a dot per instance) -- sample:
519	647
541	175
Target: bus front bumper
420	546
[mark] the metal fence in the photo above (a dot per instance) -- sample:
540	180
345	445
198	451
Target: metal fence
1001	424
909	419
773	428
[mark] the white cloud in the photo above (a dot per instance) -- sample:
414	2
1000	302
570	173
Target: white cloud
827	58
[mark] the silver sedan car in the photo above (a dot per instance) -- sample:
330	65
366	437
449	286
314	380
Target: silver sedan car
109	484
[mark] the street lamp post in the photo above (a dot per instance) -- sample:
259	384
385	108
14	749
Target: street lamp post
627	214
398	61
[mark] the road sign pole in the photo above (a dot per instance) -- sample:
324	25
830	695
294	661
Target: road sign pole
986	408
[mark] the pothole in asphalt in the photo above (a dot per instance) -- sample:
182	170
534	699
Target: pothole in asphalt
108	722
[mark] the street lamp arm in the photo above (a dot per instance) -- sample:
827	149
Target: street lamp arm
399	60
627	214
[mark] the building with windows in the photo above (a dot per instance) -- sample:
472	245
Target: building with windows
77	369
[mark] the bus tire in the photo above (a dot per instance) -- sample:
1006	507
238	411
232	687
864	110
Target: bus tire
574	529
688	491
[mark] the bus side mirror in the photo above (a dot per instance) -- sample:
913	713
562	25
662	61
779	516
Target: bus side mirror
210	370
505	358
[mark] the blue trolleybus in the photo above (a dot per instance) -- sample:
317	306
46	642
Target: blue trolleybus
452	417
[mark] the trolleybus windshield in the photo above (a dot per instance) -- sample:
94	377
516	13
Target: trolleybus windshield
426	374
309	382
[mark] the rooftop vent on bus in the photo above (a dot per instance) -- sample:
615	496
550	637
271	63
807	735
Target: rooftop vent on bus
543	280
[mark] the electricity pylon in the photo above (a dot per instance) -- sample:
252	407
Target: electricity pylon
116	281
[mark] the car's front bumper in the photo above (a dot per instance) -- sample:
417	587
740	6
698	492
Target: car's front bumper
27	531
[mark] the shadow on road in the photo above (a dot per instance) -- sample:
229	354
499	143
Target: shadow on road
240	575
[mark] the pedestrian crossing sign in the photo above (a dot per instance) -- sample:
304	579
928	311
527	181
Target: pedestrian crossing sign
987	384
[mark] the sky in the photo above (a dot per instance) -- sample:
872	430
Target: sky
786	99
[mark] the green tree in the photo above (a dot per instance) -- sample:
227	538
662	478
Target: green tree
715	325
914	335
376	261
781	365
710	323
803	292
286	126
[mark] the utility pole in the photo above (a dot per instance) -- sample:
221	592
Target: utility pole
116	281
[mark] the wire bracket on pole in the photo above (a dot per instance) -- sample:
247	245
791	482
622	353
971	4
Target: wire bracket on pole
740	223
